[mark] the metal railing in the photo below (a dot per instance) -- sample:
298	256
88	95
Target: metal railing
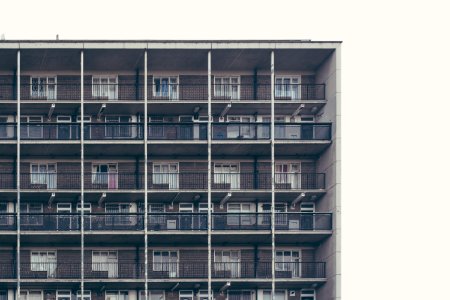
163	181
8	131
303	131
71	90
177	131
167	221
165	270
50	131
114	131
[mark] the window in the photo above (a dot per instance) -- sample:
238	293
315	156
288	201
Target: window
281	217
87	216
288	262
279	295
165	87
104	87
226	88
166	261
44	261
186	295
287	88
87	295
241	214
105	174
308	294
116	295
241	131
63	295
30	295
228	261
105	261
307	216
166	174
240	295
30	127
32	214
156	215
43	88
43	174
118	214
152	295
227	175
113	128
288	176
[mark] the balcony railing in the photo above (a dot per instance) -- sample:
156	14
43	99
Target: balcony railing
134	91
163	181
166	221
165	270
8	131
113	131
177	131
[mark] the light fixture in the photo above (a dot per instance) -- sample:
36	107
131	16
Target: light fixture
297	111
101	199
298	199
225	199
50	200
225	286
196	110
50	111
196	197
225	110
100	111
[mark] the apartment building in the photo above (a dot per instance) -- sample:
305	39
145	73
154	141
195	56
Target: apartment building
169	170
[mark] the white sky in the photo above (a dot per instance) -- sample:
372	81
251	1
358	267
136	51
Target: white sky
395	105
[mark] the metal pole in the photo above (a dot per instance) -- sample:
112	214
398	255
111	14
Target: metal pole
82	171
145	177
209	176
18	177
272	150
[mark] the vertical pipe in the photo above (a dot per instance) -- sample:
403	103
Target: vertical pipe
145	177
272	150
82	171
18	177
209	175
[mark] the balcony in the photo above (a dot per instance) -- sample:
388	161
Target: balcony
63	222
166	270
177	181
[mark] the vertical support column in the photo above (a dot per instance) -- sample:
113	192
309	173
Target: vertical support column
209	175
82	171
18	178
145	177
272	150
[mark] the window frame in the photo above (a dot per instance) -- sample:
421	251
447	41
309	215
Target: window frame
97	88
47	84
172	88
225	90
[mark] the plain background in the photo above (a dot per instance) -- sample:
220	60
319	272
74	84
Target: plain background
395	107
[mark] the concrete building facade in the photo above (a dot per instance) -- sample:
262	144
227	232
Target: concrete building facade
170	170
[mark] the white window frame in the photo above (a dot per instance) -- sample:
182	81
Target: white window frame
64	119
265	292
121	208
233	178
289	262
49	92
224	263
105	90
152	293
171	177
87	295
87	119
157	208
307	294
172	87
87	215
63	294
289	87
245	131
252	293
102	261
127	133
28	220
120	295
227	87
47	178
155	131
159	266
186	294
245	220
109	178
37	129
289	173
26	293
40	261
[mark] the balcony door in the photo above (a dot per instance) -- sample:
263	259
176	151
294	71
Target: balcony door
64	129
43	175
227	264
165	175
241	214
44	261
307	216
226	175
43	88
203	215
30	128
105	261
287	264
63	218
288	175
105	87
165	88
105	175
185	130
157	219
166	262
226	88
240	131
186	216
287	88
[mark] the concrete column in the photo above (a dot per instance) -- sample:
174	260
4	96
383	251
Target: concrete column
82	170
18	178
272	151
209	176
145	177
